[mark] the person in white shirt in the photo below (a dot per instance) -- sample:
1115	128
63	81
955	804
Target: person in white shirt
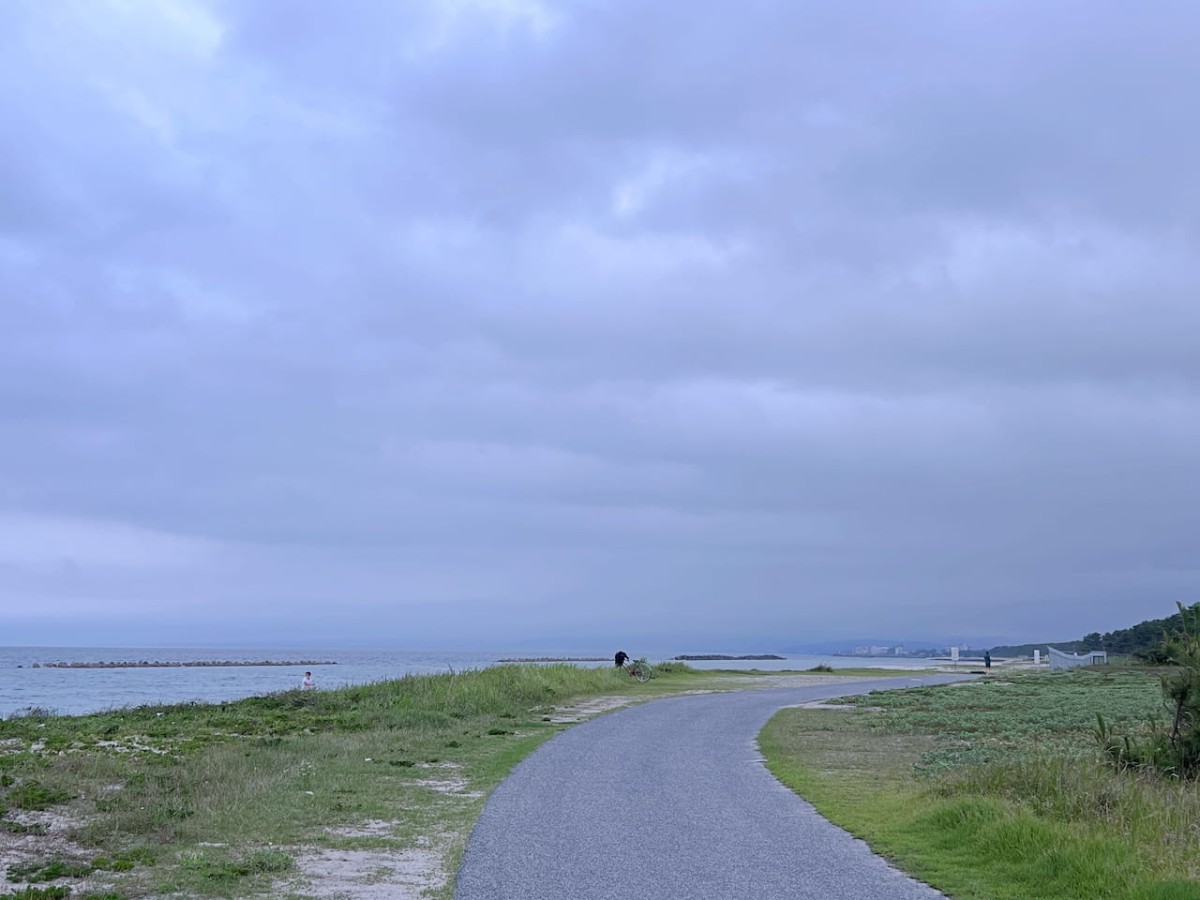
307	683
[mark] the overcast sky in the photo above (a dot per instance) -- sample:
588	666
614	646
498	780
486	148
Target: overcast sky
594	323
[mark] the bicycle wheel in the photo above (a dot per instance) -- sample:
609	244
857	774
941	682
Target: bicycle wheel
641	673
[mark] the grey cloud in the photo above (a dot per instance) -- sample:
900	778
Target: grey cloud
587	318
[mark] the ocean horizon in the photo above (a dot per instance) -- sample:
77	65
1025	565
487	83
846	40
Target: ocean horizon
31	679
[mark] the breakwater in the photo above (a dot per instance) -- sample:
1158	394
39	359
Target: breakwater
184	664
711	656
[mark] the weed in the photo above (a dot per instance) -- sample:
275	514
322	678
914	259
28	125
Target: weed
33	795
46	893
32	713
674	667
48	871
120	864
33	828
212	867
268	861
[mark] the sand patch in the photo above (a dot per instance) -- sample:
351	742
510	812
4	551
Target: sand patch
130	745
18	850
586	709
454	787
366	874
371	828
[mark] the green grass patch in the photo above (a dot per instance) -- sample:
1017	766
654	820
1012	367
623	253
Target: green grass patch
49	870
40	893
995	789
163	792
33	795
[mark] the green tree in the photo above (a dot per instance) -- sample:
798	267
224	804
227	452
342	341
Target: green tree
1174	748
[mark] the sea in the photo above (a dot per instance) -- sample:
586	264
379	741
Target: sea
31	679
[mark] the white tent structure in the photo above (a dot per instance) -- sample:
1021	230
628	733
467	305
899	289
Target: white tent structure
1060	660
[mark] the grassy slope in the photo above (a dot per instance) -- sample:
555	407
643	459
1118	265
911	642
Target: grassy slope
199	798
992	790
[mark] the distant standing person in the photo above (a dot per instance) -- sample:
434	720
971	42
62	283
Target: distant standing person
987	659
307	683
620	658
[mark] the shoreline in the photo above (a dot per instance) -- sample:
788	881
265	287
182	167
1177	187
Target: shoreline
174	664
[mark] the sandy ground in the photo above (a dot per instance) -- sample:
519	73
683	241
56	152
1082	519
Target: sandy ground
367	874
24	849
413	873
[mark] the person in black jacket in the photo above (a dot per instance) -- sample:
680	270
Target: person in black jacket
620	658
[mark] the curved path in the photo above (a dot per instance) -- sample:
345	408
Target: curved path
670	800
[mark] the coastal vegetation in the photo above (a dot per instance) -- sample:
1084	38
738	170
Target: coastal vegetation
1171	747
1143	640
997	788
227	799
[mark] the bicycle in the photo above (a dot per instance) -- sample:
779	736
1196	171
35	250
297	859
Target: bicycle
639	670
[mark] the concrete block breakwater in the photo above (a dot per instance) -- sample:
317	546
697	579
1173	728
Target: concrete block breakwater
174	664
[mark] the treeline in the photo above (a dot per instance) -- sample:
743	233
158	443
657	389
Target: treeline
1143	639
1007	651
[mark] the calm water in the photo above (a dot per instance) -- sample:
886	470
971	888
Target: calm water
74	691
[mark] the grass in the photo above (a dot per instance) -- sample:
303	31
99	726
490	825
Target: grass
213	800
995	789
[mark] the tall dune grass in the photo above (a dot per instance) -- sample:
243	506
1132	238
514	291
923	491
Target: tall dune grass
1159	816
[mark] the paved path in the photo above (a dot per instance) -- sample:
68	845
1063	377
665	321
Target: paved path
670	801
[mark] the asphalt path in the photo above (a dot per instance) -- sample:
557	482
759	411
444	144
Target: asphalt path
670	800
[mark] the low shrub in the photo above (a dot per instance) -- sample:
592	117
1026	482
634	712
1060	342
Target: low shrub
1170	747
673	667
49	870
33	795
